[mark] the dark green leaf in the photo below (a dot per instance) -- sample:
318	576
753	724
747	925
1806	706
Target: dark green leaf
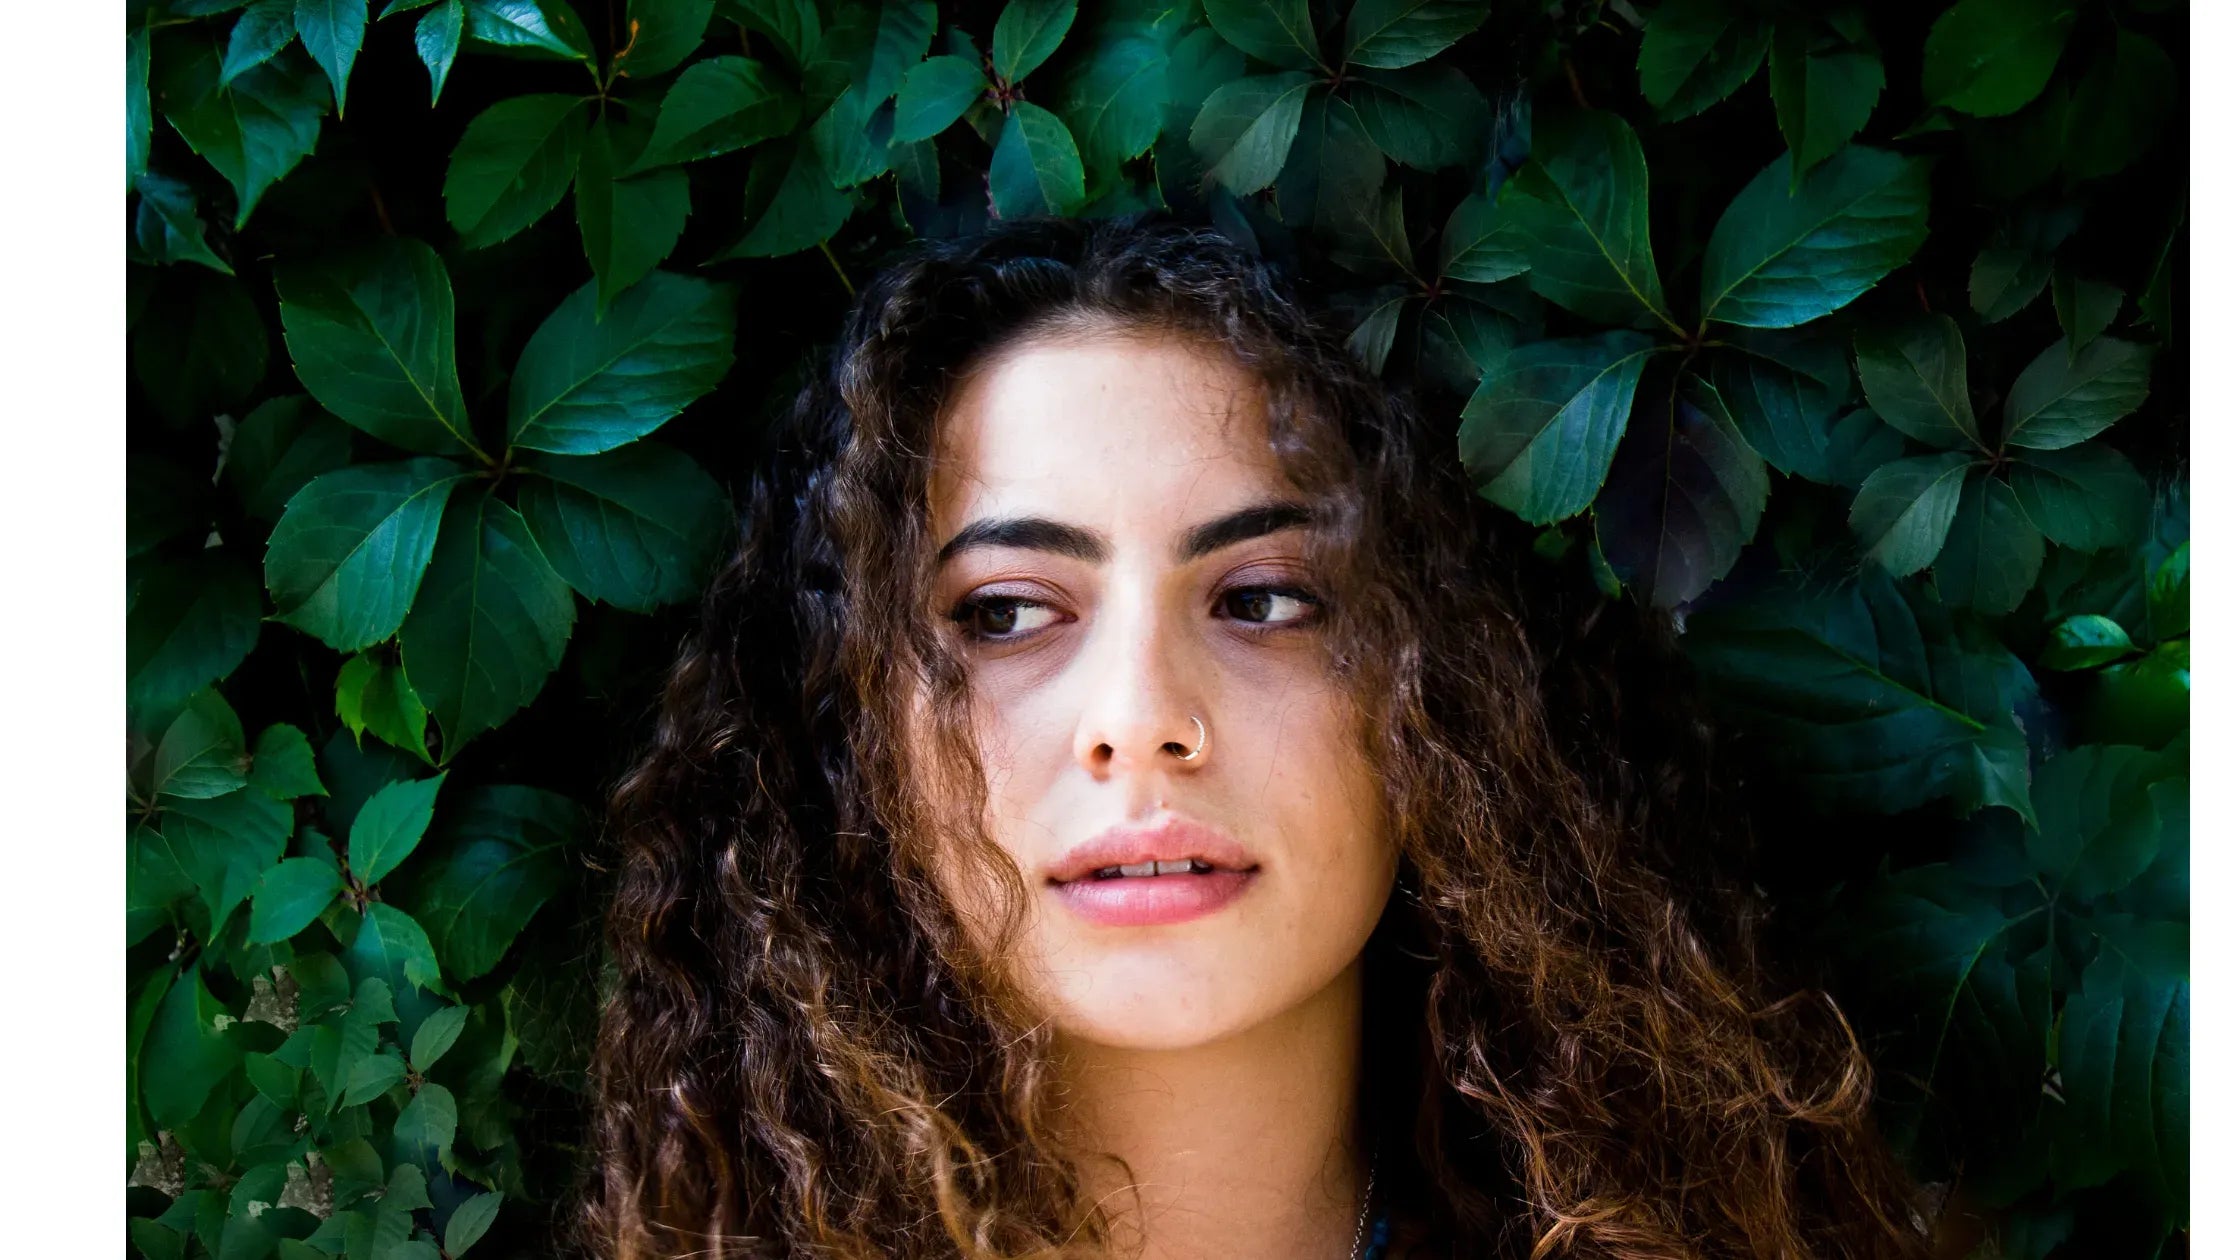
2086	642
512	166
2145	701
1905	510
436	1035
254	130
1915	374
1036	170
373	695
791	203
389	827
1777	260
469	1222
1279	32
1538	436
1371	339
2086	496
139	116
201	346
226	844
1245	130
332	32
2120	108
1858	444
491	624
718	105
1461	338
371	337
429	1122
186	1054
2059	401
935	94
636	527
289	897
2124	1053
542	28
386	947
1112	101
1870	699
793	25
1333	172
855	138
263	29
1685	493
495	858
436	39
281	764
1991	558
1027	32
1823	93
662	34
277	449
1696	53
167	227
1389	34
203	752
628	225
2005	280
188	623
1472	247
371	1077
2084	307
586	384
1426	116
347	557
1785	391
1990	57
2170	593
1579	213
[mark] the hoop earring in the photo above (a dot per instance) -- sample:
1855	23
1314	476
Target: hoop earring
1192	755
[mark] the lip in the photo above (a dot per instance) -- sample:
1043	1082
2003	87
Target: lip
1144	901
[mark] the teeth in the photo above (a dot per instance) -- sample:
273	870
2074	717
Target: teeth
1140	868
1180	866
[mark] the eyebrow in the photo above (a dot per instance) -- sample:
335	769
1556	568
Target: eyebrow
1040	533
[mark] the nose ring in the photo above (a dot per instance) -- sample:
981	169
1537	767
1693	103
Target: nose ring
1192	755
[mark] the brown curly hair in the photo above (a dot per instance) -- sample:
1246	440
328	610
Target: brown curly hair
1569	1037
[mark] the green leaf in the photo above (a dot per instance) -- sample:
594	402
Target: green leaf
186	1054
281	764
226	844
203	752
2170	593
139	115
1915	374
263	29
1331	177
791	203
1991	557
347	557
1579	213
1389	34
490	626
1036	170
793	25
436	1034
1538	435
540	28
2146	701
1869	698
2086	496
332	32
436	39
371	338
1989	57
188	623
1279	32
1472	247
1696	53
2087	641
586	384
869	48
2124	1053
2059	401
629	225
277	449
371	1077
1905	510
1785	392
254	130
200	347
373	695
496	857
1245	130
167	227
289	897
469	1222
1112	101
1684	494
389	826
663	33
1027	32
429	1122
1428	117
1777	260
935	94
2120	108
716	106
385	946
636	527
512	166
2084	307
855	138
2005	280
1823	92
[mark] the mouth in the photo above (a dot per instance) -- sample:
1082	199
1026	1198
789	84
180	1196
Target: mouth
1151	870
1164	872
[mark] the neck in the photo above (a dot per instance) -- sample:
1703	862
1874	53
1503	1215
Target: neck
1246	1148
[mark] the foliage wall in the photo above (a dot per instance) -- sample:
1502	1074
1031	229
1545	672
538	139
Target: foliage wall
1850	334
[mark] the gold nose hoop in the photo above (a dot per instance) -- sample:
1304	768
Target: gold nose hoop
1192	755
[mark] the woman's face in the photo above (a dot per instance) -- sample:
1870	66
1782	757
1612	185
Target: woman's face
1121	554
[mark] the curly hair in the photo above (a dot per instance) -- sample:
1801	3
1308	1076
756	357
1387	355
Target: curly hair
1570	1037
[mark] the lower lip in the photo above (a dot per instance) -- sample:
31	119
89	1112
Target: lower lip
1149	900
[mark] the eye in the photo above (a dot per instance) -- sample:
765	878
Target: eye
1269	605
999	617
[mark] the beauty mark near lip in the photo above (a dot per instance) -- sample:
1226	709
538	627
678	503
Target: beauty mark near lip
1148	900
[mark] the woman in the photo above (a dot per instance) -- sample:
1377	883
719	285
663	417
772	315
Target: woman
1120	801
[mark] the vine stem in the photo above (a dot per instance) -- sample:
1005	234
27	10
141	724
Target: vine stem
837	270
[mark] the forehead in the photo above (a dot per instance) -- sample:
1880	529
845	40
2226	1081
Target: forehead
1107	428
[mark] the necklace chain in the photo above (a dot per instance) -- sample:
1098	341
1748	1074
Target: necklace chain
1361	1222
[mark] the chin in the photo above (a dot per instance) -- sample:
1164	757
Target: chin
1150	999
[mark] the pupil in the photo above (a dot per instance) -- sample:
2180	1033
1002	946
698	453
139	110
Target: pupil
1256	604
1001	611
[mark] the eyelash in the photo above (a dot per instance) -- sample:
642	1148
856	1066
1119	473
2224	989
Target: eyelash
967	609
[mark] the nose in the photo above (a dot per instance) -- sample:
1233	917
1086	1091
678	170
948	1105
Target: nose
1142	714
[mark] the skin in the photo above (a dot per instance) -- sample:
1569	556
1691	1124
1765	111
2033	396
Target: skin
1218	1056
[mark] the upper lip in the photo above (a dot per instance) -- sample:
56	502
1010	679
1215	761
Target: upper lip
1169	839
